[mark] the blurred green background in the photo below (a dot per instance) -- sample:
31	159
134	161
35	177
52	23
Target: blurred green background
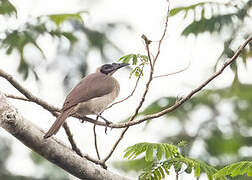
216	123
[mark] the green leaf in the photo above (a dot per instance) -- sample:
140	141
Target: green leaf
70	37
188	170
182	143
58	19
217	19
138	60
162	149
6	8
23	68
160	169
177	10
177	166
197	170
214	24
157	174
235	169
127	58
160	152
18	40
149	153
134	59
129	152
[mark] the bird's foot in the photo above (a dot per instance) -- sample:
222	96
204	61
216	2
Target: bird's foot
106	122
104	119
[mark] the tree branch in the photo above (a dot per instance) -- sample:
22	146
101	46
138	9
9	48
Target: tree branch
45	105
164	33
53	109
126	98
51	149
17	97
152	66
95	140
183	100
177	104
165	75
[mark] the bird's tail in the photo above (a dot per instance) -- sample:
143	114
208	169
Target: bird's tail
58	123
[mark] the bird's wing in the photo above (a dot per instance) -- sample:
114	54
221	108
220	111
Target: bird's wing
91	86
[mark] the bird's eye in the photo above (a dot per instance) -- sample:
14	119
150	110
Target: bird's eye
107	68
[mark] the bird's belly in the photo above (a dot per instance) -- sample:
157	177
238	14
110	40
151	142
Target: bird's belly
95	105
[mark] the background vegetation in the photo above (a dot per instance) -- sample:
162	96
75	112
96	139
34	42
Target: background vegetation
222	137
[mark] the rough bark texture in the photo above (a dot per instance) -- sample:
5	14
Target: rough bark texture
51	149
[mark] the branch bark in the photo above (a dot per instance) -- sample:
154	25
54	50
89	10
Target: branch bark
45	105
51	149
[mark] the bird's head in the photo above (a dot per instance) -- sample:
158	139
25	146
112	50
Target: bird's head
109	69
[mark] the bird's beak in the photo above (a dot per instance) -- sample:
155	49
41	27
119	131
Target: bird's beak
119	65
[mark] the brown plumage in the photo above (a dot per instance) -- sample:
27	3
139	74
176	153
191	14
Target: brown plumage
90	96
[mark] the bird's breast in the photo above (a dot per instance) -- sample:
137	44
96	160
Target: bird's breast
98	104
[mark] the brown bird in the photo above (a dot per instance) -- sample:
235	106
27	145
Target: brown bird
90	96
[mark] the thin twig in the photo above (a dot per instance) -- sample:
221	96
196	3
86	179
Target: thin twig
183	100
177	175
131	94
147	43
165	75
158	114
169	109
70	138
53	110
66	127
164	33
37	100
135	113
25	92
95	140
17	97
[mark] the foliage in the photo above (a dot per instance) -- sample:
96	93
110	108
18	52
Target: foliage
217	17
217	21
224	148
82	41
6	8
235	169
165	157
58	19
217	143
137	59
19	39
162	150
158	165
161	169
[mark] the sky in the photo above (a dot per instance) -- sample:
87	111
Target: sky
146	17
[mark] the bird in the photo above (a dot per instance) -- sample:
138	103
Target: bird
90	96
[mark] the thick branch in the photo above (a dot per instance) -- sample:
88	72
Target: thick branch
44	104
51	149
